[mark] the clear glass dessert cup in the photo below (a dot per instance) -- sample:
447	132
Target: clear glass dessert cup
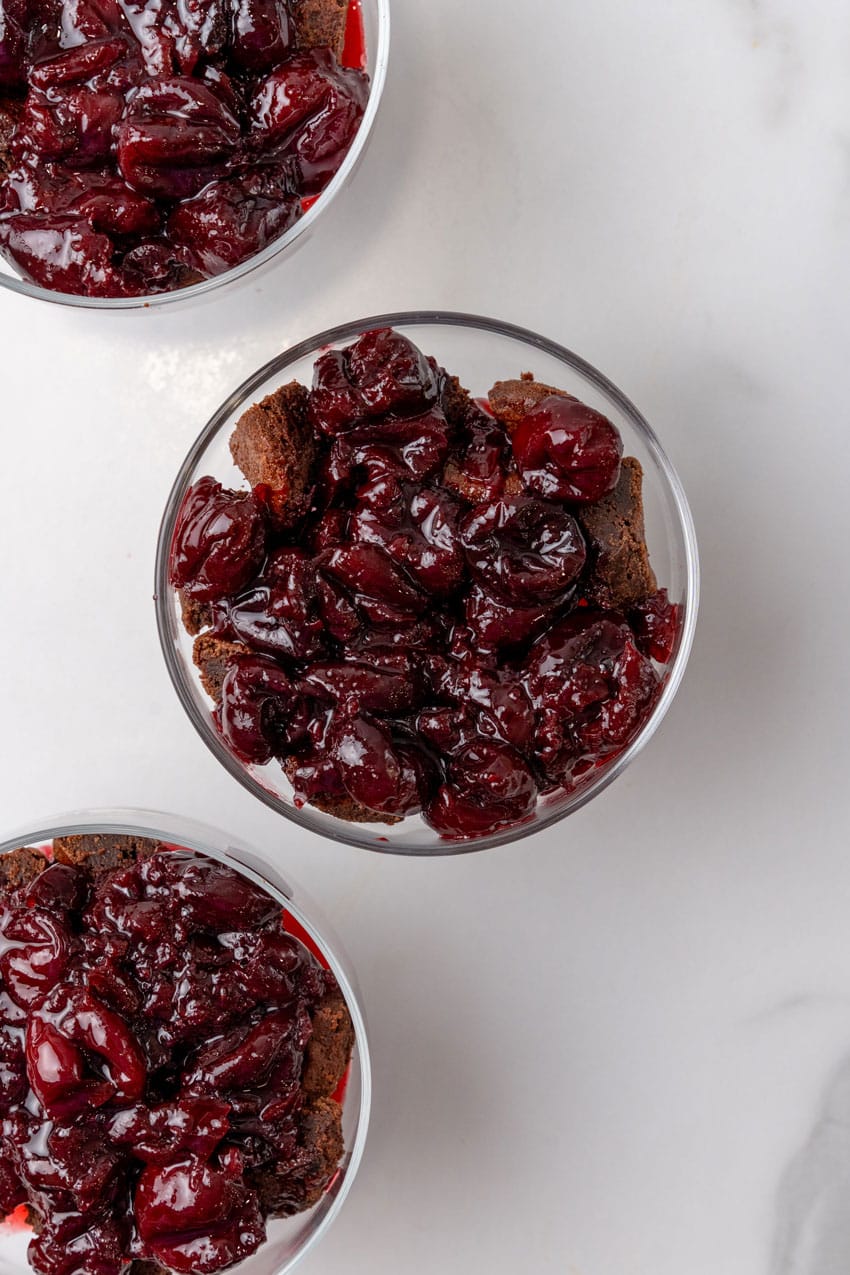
376	29
479	352
289	1239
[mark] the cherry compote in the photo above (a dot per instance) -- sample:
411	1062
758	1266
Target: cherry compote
153	1027
421	642
156	143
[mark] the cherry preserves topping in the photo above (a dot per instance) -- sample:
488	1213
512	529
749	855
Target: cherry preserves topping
422	641
202	126
219	542
567	451
154	1023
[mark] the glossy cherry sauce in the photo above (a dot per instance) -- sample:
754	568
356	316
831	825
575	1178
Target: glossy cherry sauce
153	144
152	1035
423	642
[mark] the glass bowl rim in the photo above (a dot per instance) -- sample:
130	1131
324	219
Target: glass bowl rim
347	834
200	837
157	300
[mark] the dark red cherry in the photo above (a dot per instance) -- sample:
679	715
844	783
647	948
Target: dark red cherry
175	137
488	786
219	541
62	253
380	588
311	107
162	1134
69	1027
260	714
195	1219
35	948
418	530
60	888
371	768
382	372
656	623
524	551
231	220
394	687
80	1243
262	33
566	450
280	615
499	626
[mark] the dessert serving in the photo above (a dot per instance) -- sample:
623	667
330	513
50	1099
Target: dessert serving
420	602
145	146
173	1059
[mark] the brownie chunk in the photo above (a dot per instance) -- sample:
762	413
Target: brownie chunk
303	1182
474	490
621	574
274	446
455	401
329	1050
102	853
339	805
212	656
196	615
10	112
321	23
511	401
20	866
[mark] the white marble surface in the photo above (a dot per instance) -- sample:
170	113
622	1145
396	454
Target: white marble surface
622	1048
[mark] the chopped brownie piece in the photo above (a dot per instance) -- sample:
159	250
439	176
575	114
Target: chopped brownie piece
455	401
212	656
320	1149
475	490
21	866
321	23
511	401
10	112
147	1268
329	1050
274	446
196	615
621	574
102	853
339	805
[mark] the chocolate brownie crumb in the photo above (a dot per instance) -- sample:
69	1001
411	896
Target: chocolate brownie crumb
511	401
20	867
339	805
477	490
10	113
212	656
146	1268
196	615
321	24
303	1183
274	446
621	574
99	853
455	401
329	1051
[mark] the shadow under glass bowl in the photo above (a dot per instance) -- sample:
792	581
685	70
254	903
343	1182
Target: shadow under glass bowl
376	29
289	1239
479	351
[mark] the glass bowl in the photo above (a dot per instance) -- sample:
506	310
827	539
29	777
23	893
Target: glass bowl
376	29
288	1238
478	351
